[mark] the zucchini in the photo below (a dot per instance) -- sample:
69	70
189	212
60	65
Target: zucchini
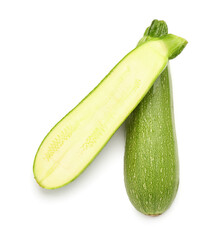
151	168
75	141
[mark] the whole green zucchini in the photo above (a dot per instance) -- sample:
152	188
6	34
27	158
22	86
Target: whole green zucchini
151	168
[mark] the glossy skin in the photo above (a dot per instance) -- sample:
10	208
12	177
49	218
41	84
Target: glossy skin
151	166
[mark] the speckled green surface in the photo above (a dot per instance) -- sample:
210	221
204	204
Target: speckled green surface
151	166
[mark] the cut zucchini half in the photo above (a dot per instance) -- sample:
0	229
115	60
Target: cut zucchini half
76	140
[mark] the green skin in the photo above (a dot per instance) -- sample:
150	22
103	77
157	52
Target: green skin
151	167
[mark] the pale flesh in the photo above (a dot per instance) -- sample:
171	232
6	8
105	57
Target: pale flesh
75	141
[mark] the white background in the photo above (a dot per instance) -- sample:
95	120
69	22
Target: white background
52	53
